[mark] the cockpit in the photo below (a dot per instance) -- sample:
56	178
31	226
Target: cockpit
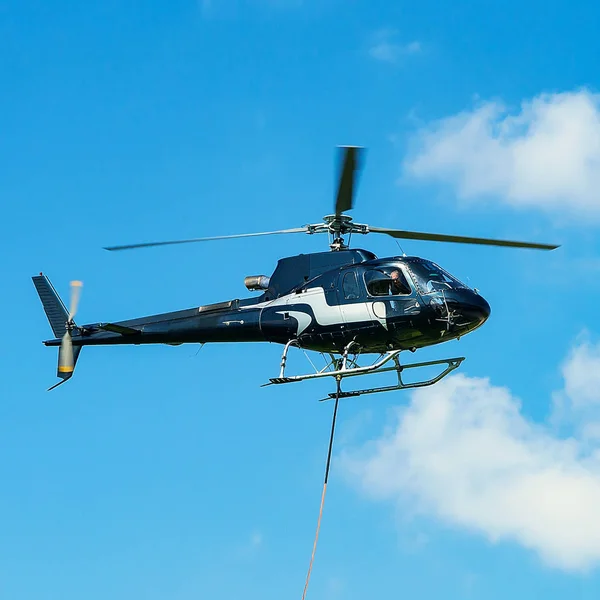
430	277
402	278
387	281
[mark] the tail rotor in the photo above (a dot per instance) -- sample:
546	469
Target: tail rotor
66	358
62	322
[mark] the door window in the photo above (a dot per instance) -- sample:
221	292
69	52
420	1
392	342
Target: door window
350	286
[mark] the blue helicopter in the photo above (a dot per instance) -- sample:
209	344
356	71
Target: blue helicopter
345	304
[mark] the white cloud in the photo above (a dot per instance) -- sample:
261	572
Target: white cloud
578	403
545	155
463	452
581	372
384	46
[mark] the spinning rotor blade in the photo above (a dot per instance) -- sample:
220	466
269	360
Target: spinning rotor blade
66	362
440	237
349	165
75	295
207	239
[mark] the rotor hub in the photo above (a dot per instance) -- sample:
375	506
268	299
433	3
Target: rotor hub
341	223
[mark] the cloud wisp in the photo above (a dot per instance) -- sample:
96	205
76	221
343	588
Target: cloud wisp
544	155
251	547
463	453
385	47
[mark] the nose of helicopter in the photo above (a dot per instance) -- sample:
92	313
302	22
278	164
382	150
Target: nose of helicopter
474	308
463	309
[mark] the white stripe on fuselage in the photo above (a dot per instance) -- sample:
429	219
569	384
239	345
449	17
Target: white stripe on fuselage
324	313
304	319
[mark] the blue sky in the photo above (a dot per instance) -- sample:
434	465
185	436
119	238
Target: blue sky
161	471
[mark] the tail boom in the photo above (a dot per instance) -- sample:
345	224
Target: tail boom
232	321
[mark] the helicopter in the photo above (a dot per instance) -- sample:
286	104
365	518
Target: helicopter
344	303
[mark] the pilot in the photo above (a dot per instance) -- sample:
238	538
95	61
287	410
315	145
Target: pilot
397	285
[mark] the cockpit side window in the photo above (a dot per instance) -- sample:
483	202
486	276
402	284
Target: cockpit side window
387	281
350	286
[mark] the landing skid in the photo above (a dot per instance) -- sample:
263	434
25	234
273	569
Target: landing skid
340	368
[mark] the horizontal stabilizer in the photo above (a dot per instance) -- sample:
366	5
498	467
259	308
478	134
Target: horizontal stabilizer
114	328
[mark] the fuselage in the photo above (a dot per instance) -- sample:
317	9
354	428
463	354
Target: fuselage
380	304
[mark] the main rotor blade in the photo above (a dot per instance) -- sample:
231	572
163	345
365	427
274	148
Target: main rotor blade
440	237
207	239
349	165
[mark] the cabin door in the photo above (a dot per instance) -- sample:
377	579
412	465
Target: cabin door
353	306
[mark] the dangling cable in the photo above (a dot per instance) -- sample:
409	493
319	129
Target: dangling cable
335	409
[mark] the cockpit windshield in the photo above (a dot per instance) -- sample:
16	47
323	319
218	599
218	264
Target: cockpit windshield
432	278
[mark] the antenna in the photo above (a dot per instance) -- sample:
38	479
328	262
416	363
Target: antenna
399	246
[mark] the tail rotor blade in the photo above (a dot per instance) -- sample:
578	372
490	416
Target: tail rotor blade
66	359
75	295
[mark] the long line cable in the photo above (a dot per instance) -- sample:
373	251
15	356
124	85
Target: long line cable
312	558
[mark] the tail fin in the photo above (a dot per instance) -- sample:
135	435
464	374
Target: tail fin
54	307
58	317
